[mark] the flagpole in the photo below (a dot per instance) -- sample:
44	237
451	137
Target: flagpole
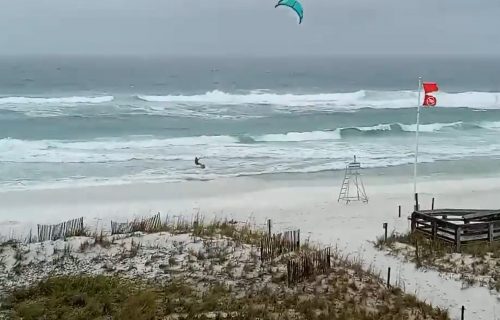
416	137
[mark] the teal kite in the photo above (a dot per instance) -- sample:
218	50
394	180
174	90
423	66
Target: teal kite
295	5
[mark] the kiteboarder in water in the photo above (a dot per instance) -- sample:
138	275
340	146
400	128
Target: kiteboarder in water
198	163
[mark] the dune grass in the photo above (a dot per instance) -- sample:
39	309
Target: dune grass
474	260
101	297
194	291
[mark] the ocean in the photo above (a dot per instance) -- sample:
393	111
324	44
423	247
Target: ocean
67	121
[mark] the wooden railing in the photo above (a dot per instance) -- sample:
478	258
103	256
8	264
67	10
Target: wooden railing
457	231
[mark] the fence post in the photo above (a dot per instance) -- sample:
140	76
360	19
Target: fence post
269	226
432	207
385	228
298	239
399	215
463	312
389	277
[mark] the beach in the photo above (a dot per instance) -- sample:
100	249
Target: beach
119	141
292	202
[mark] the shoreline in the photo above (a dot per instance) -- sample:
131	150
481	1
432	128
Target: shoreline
473	167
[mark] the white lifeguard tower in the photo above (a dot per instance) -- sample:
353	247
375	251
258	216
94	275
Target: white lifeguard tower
352	176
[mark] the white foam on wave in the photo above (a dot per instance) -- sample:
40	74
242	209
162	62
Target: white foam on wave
431	127
346	101
300	136
153	148
55	100
258	97
104	150
378	127
492	125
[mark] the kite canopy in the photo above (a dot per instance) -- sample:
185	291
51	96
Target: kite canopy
295	5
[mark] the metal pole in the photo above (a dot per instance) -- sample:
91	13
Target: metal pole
416	137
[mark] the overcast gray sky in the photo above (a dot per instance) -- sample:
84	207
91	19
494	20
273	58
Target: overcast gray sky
174	27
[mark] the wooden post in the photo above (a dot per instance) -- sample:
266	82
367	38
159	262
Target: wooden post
413	222
463	312
269	226
416	202
458	234
432	207
399	211
389	277
385	228
490	232
434	230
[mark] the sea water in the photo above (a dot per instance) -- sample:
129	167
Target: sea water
101	120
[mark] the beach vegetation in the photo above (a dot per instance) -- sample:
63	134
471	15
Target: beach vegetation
476	263
107	297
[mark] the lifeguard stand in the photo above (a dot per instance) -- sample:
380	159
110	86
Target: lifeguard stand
352	176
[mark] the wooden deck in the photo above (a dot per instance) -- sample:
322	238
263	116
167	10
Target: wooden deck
458	226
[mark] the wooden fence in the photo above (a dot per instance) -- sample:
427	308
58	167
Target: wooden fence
278	244
308	264
152	224
61	231
458	227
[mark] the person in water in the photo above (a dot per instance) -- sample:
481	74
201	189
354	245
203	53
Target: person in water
198	163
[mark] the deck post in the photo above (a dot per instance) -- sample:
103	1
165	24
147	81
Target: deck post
416	202
432	207
413	221
434	230
490	232
458	234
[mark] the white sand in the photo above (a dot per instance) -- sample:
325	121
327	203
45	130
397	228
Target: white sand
309	205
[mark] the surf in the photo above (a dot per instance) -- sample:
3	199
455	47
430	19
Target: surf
55	100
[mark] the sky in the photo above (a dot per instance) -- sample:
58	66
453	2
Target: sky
248	27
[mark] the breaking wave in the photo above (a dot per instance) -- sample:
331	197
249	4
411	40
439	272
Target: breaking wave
154	148
58	100
349	100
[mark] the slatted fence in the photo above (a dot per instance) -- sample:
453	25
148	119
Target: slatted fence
278	244
62	230
152	224
307	264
